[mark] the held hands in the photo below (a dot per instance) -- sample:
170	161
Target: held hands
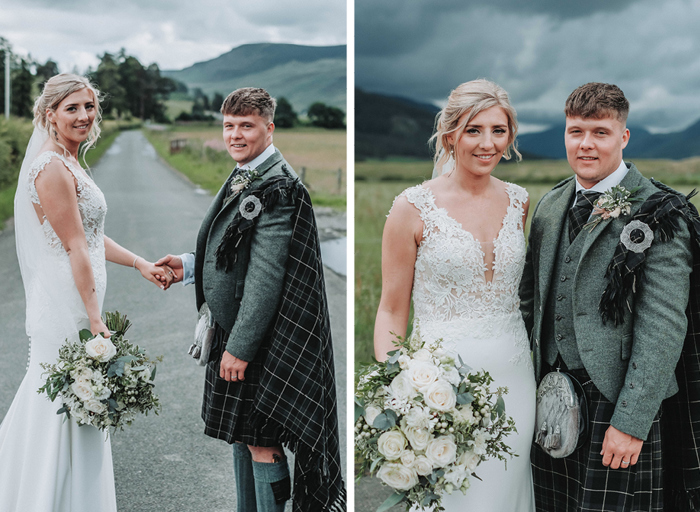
161	276
174	270
620	450
232	369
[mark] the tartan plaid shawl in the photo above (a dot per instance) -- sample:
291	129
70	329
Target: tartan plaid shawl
297	387
663	212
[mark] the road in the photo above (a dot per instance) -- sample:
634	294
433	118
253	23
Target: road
162	463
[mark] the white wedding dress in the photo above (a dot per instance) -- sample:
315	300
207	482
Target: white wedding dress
481	321
47	462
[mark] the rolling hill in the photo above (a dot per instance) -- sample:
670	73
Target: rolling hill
392	126
302	74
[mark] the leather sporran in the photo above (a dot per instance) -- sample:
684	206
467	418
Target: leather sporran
561	424
203	336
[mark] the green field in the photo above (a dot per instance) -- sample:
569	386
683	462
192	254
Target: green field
320	153
378	182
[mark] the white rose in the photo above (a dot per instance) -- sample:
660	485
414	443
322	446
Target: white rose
371	413
422	355
391	444
422	373
95	406
402	387
103	392
403	361
82	390
418	437
470	460
101	349
615	213
408	457
398	476
441	451
423	466
440	396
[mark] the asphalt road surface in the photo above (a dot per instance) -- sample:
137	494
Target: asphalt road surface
161	463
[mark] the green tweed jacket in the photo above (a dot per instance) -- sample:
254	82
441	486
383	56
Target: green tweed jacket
632	364
245	299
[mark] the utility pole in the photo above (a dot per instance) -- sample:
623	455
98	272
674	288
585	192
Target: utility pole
7	83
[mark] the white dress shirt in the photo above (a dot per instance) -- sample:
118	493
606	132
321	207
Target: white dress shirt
615	178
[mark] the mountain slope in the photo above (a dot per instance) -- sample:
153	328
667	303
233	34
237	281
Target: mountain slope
302	74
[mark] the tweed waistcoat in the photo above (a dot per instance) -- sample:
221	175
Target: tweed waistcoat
558	333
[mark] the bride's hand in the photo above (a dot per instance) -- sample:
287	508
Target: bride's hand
98	326
160	276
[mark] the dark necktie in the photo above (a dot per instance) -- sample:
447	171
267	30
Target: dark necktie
579	214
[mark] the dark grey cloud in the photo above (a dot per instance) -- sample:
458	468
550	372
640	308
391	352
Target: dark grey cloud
538	51
172	33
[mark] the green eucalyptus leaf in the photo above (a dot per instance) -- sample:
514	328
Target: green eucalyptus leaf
500	406
392	500
465	398
85	335
359	411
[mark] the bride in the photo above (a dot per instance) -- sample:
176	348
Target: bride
456	243
47	463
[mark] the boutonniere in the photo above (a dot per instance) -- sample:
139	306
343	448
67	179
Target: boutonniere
613	203
243	179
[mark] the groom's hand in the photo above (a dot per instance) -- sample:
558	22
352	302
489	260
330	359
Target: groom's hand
620	448
232	369
175	266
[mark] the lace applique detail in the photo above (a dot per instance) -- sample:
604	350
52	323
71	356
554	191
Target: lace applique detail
93	210
449	280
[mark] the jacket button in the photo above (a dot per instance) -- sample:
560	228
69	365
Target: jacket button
559	337
562	278
558	317
631	385
624	403
567	259
560	297
537	342
634	366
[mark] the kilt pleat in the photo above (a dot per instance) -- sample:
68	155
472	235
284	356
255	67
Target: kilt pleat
227	406
580	482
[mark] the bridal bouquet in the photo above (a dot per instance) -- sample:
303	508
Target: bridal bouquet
103	382
424	422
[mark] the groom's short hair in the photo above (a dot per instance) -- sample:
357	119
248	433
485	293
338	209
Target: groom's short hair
596	100
249	100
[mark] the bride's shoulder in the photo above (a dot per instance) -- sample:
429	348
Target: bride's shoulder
415	197
516	192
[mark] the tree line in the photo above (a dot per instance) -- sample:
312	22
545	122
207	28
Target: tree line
318	114
131	89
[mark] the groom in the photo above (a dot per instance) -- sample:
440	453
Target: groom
627	365
257	266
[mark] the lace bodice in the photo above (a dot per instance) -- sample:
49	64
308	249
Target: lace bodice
92	207
449	279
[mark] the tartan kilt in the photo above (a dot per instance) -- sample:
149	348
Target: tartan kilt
227	406
580	482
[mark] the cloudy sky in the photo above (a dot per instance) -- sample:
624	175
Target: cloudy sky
538	50
172	33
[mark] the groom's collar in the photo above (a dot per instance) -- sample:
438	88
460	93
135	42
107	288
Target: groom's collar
258	160
615	178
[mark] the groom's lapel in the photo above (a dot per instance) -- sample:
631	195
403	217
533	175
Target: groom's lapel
632	179
262	169
551	234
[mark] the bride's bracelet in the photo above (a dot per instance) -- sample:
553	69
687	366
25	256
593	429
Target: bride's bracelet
134	263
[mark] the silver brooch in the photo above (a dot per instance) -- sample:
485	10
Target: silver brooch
250	207
637	236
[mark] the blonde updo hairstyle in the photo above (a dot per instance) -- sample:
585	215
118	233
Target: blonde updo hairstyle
56	89
471	98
